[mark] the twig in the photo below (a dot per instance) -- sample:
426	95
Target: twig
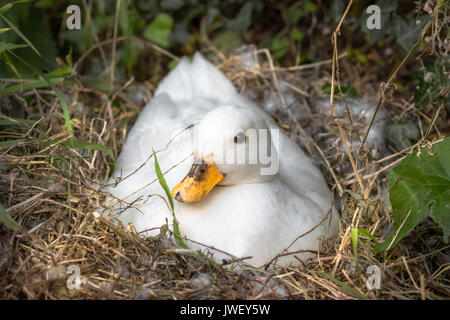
113	55
309	65
333	107
392	77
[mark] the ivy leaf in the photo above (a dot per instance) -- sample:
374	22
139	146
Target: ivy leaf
294	14
310	6
431	80
227	40
159	30
420	188
296	34
401	135
211	15
243	20
407	32
279	47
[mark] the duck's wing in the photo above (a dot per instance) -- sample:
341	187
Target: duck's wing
196	79
152	130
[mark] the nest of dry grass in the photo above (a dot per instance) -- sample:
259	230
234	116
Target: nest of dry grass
52	192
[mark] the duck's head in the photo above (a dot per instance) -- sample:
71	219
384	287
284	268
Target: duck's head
233	145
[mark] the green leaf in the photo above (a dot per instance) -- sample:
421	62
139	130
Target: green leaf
8	6
12	142
159	30
357	55
310	6
172	64
60	72
20	34
401	135
419	188
432	80
10	46
355	242
176	231
35	84
5	8
58	95
344	286
211	15
5	122
177	234
294	14
367	234
6	219
407	32
128	18
227	40
296	34
243	19
163	182
279	47
77	38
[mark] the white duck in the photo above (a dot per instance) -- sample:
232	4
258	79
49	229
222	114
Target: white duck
253	208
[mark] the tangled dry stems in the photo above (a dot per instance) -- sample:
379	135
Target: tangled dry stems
52	191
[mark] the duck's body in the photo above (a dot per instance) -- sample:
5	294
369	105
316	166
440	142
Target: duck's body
247	213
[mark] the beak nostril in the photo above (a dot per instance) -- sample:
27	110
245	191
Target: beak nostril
198	182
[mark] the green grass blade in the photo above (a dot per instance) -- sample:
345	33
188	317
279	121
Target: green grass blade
58	95
61	72
345	286
36	84
163	182
20	34
8	6
178	238
176	230
367	234
355	242
12	142
6	219
10	46
16	121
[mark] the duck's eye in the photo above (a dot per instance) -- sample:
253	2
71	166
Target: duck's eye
240	138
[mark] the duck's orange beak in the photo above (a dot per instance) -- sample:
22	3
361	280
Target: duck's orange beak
199	181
